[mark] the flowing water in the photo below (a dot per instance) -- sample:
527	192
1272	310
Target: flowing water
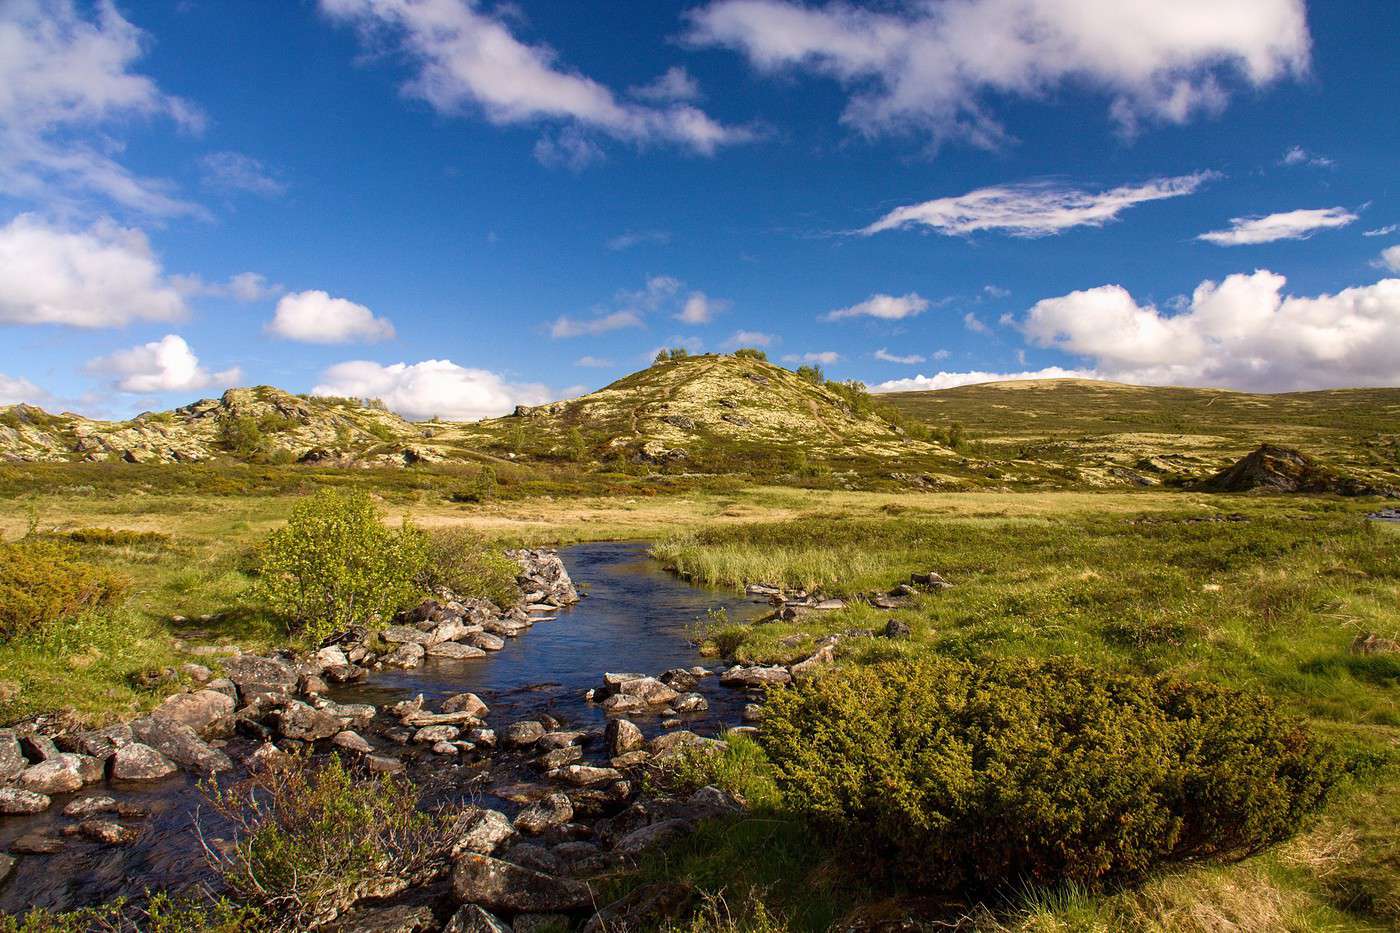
634	617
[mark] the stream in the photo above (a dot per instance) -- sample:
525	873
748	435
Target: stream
635	616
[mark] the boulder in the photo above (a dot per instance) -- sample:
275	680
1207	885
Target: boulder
198	710
474	919
408	655
455	651
352	742
14	800
690	703
466	702
499	885
433	734
12	760
551	740
38	747
654	834
138	762
405	634
755	677
554	810
897	629
485	641
621	703
559	757
180	744
108	832
85	807
99	743
621	737
583	775
482	831
257	677
297	720
522	734
59	775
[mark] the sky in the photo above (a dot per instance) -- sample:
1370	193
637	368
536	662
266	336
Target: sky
459	205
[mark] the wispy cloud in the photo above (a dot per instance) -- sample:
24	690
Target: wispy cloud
883	307
825	357
236	172
625	241
1297	155
1289	225
885	356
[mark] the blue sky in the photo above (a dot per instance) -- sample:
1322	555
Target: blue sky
458	206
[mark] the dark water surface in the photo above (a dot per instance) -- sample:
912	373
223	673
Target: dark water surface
635	617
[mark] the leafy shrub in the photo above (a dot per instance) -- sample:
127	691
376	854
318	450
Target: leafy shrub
974	775
43	582
335	564
116	537
241	435
159	914
460	560
750	353
310	840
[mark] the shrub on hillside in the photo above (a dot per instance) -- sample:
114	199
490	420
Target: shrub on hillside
43	582
335	564
311	839
461	561
966	775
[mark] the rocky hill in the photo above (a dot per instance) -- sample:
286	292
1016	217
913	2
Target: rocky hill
260	423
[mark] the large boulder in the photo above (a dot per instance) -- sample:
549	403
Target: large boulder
60	775
298	720
622	736
137	762
554	810
499	885
198	710
12	760
482	831
180	744
1272	468
259	677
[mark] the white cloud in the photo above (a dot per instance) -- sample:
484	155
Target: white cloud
315	317
1387	230
1389	259
234	171
972	323
466	57
164	365
672	85
565	326
104	276
886	356
245	286
633	238
826	357
1289	225
593	362
1240	333
62	74
568	149
1033	209
432	388
883	307
749	338
995	291
701	309
944	380
16	389
936	67
1297	155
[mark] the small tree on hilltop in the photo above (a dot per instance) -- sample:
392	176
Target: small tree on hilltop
751	353
812	374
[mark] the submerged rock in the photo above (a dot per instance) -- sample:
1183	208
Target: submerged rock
16	800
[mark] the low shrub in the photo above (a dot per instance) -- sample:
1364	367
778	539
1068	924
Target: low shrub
460	560
116	537
335	564
977	775
43	583
161	913
311	839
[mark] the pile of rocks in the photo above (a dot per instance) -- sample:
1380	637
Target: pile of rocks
799	604
668	695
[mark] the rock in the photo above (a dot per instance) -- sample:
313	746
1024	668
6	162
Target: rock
559	757
265	756
648	689
486	738
930	580
474	919
37	844
331	656
383	764
460	718
658	833
648	907
405	634
499	885
180	744
1371	643
312	685
485	641
408	655
297	720
356	715
541	923
12	760
391	918
198	710
257	677
679	679
482	831
612	679
896	629
621	737
621	703
753	712
344	673
631	759
39	747
90	806
552	740
455	651
100	743
1272	468
433	734
108	832
823	657
554	810
15	800
7	865
59	775
138	762
446	748
522	734
583	775
352	742
755	677
466	703
690	703
530	855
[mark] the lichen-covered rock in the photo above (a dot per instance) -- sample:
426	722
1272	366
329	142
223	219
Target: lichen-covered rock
16	800
554	810
499	885
138	762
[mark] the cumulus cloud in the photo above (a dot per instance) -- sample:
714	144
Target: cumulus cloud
103	276
885	356
699	308
432	388
164	365
236	172
62	74
1033	209
884	307
16	389
1389	259
749	338
1240	333
672	85
942	380
245	287
1289	225
1297	155
974	324
315	317
467	58
826	357
937	67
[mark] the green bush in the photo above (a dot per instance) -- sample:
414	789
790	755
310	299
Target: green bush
335	564
310	840
116	537
964	775
159	914
460	560
43	582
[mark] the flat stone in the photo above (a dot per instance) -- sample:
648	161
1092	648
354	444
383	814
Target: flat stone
740	676
468	703
456	651
559	757
138	762
499	885
459	718
59	775
521	734
391	918
432	734
631	759
256	676
583	775
198	710
16	800
352	742
90	806
180	744
405	635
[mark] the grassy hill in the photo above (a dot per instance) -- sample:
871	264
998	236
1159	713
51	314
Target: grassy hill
1108	433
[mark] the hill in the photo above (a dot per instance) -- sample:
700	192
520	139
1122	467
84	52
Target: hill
1109	433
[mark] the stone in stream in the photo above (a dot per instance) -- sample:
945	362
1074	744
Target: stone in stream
754	677
690	703
297	720
198	710
498	885
12	760
408	655
37	844
485	641
678	678
554	810
482	831
59	775
621	737
524	733
180	744
583	775
631	759
7	865
352	742
466	703
649	690
455	651
344	673
90	806
357	715
138	762
486	738
108	832
552	740
432	734
559	757
446	748
459	718
38	748
474	919
15	800
621	703
258	677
